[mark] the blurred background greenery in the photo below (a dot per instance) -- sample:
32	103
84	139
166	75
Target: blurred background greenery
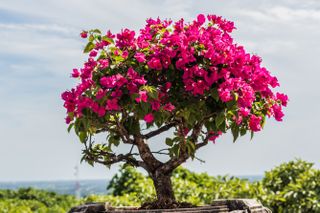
289	187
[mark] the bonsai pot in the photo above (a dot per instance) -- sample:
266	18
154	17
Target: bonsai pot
218	206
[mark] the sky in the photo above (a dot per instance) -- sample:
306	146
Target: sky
40	45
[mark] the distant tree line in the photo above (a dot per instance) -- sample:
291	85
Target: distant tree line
289	187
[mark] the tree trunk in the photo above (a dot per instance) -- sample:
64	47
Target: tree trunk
164	190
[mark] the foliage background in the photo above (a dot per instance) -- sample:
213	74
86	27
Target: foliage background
289	187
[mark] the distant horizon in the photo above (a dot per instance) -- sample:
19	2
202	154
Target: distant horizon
70	186
100	179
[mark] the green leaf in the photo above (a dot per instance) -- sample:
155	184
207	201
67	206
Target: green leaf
169	141
191	148
132	125
118	58
107	39
89	47
230	104
158	118
96	31
153	94
70	127
145	107
91	38
83	137
243	131
235	132
185	113
263	121
90	162
215	95
219	119
114	139
252	134
175	150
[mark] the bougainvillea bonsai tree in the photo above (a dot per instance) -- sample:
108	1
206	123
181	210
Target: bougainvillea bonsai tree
189	78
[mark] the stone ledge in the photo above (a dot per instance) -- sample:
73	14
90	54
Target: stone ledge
218	206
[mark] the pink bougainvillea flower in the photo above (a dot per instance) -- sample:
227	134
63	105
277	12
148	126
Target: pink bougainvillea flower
112	104
125	54
155	105
186	131
201	19
68	120
125	39
167	86
237	119
120	80
142	97
277	112
108	82
140	57
101	112
132	88
132	74
214	135
93	53
169	107
255	123
225	95
100	94
282	98
244	111
75	73
166	61
116	94
148	118
84	34
104	63
142	42
155	63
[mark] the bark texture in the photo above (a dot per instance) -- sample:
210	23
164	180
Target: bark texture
163	187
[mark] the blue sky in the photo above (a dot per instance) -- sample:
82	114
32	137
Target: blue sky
40	45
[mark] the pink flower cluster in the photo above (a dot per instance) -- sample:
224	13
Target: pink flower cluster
202	57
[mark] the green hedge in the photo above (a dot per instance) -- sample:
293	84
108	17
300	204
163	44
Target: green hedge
290	187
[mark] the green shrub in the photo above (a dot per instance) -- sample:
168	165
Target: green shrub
34	200
290	187
293	187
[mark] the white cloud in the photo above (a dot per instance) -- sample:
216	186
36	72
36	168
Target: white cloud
280	14
48	28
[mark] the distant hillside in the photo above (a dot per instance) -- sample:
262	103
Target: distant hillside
62	187
87	187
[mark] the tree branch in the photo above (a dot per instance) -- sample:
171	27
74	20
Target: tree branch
205	142
173	163
159	131
109	158
161	152
146	155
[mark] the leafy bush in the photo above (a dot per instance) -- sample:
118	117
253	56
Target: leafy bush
293	187
190	187
290	187
129	180
123	200
34	200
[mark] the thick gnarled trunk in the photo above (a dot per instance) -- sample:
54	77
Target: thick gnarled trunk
163	187
160	173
